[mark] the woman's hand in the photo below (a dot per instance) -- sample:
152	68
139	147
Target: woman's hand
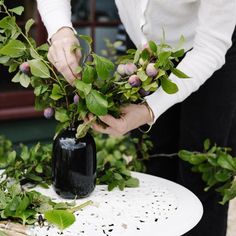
61	56
133	116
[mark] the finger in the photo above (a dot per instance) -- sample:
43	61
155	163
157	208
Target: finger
51	55
61	64
72	60
100	129
120	125
78	55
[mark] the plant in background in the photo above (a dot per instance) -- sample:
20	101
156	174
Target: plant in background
101	90
217	167
117	157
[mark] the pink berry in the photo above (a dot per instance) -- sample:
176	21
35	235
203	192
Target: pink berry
130	68
48	112
143	92
151	70
25	67
76	99
121	69
134	81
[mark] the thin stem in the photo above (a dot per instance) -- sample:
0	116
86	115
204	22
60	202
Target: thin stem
164	155
79	207
56	79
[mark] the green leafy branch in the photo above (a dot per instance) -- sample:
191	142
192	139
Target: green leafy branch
217	167
103	88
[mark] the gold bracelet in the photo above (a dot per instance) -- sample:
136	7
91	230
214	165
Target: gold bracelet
152	118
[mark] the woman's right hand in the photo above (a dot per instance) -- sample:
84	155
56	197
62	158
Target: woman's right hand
62	57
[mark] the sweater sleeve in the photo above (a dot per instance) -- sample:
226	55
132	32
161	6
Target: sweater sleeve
55	14
216	23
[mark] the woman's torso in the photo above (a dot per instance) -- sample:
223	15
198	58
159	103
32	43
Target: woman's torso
146	19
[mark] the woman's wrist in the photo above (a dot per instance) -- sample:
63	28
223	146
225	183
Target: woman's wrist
149	116
62	33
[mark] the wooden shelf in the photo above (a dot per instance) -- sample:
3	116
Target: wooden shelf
17	105
96	24
19	113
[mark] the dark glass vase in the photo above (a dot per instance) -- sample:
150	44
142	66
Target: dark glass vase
73	165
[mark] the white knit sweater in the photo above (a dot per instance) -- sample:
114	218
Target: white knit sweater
207	26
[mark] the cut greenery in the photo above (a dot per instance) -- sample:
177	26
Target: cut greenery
24	168
103	88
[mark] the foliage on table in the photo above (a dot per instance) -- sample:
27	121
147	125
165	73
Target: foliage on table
217	168
26	167
101	90
117	156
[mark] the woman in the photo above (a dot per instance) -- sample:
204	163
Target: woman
210	112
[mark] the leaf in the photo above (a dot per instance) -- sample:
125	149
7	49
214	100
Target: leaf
88	40
178	53
34	177
24	203
8	23
43	47
13	67
62	115
103	66
223	175
61	218
14	48
83	87
97	103
142	75
17	10
168	86
118	176
145	54
137	56
4	59
132	182
82	130
57	92
207	144
78	69
16	78
28	25
25	155
152	46
226	161
39	69
150	87
181	42
112	185
164	57
229	193
89	74
40	89
179	73
24	80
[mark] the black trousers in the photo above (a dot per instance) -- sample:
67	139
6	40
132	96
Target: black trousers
210	113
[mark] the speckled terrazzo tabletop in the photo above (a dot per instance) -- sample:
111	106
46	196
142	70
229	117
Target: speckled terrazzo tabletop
157	207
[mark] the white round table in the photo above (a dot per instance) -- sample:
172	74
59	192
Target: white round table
158	207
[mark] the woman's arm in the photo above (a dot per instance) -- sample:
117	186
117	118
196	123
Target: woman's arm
55	14
217	19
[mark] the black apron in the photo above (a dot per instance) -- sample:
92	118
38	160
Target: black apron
210	113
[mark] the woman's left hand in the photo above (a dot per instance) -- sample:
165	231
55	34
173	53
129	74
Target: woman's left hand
133	116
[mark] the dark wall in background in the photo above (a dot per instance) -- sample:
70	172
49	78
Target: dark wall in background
28	131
